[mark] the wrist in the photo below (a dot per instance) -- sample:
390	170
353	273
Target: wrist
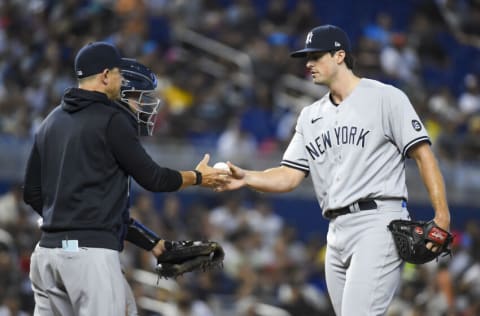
247	181
198	177
443	216
159	248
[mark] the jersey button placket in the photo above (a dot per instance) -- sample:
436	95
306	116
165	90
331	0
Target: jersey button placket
338	156
334	155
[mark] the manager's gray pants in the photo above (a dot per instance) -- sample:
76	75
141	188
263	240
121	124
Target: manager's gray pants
83	283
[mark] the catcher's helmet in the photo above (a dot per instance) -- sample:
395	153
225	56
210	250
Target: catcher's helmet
138	92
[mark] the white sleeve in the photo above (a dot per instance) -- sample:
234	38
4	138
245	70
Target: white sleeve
402	124
295	155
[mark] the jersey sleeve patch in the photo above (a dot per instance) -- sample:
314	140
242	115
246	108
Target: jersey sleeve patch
413	142
296	165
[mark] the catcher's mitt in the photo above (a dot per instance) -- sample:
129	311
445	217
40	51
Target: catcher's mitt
411	238
185	256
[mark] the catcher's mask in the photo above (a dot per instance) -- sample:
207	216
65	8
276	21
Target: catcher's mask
138	93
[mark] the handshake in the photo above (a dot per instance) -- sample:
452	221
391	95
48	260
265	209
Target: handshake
221	176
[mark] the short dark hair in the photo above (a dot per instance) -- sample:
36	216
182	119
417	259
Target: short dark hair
349	59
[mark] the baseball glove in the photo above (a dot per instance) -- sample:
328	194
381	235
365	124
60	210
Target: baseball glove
185	256
411	238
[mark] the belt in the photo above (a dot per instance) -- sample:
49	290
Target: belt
85	238
362	205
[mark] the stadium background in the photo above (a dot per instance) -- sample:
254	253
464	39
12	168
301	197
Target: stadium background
229	88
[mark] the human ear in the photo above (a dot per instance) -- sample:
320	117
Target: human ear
104	75
340	56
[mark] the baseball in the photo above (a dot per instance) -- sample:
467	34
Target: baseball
221	165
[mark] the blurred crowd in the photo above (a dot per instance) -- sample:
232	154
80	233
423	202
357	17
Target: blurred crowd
429	48
268	269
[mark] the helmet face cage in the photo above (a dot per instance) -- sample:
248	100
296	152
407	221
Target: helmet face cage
146	105
138	90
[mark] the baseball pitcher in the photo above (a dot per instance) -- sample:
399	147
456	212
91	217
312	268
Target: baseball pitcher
354	142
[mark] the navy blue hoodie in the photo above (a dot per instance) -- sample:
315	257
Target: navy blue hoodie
78	171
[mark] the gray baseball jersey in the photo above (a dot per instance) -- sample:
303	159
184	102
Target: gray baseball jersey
356	150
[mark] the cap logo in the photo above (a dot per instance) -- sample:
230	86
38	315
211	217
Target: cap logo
309	38
79	73
337	44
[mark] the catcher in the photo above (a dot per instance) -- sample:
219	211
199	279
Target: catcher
175	258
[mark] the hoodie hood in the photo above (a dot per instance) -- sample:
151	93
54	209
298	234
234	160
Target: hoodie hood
76	99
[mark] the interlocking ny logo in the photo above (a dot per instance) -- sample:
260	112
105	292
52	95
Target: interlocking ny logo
309	38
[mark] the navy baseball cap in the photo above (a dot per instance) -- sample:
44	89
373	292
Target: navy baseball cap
95	57
324	38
